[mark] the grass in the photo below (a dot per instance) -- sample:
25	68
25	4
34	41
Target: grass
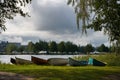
69	72
62	72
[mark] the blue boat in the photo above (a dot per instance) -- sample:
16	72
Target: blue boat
73	62
95	62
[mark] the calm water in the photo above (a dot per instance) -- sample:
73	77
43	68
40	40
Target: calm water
6	58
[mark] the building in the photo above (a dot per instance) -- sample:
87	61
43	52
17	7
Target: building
15	43
3	45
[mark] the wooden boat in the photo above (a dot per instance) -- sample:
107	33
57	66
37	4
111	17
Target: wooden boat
95	62
58	61
22	61
73	62
38	61
12	60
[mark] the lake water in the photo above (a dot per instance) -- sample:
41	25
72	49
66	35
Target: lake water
6	58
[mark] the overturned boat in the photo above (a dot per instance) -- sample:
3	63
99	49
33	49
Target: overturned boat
38	61
95	62
57	61
22	61
73	62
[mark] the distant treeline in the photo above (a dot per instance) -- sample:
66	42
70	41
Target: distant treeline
53	47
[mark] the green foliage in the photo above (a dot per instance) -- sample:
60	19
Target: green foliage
41	45
30	47
111	20
53	46
61	46
21	49
10	48
70	47
81	8
89	48
9	9
106	17
102	48
37	47
45	45
81	49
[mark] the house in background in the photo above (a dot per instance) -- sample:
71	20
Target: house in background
3	45
15	43
95	52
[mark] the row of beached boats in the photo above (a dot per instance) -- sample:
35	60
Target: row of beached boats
56	61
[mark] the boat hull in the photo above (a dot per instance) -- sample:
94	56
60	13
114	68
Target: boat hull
39	61
22	61
12	60
58	61
73	62
95	62
98	63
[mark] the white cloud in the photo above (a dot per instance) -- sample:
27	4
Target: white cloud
50	20
50	2
11	38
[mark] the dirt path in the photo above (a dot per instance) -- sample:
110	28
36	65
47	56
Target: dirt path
13	76
112	77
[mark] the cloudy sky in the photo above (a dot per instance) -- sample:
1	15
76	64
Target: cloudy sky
50	20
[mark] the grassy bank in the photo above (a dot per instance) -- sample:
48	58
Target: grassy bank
109	72
62	72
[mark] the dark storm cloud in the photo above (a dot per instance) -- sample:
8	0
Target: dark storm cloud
58	19
30	38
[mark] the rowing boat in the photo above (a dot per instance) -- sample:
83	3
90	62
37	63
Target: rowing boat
73	62
22	61
58	61
38	61
95	62
12	60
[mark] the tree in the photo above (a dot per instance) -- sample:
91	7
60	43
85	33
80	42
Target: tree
70	47
41	45
53	46
81	49
102	48
30	47
10	48
81	10
37	47
106	17
75	48
10	8
21	49
45	46
89	48
61	46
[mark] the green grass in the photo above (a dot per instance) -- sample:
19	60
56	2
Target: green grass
69	72
62	72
